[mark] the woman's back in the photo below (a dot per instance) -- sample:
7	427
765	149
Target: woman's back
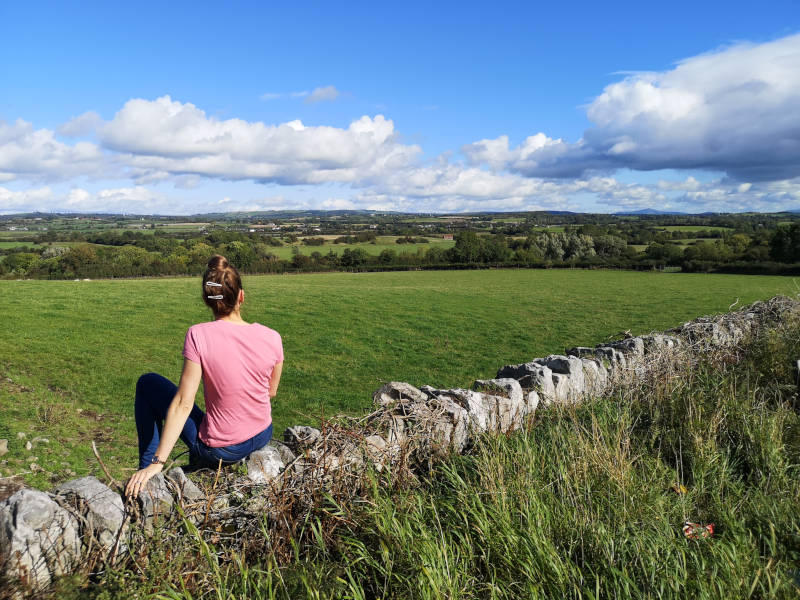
237	362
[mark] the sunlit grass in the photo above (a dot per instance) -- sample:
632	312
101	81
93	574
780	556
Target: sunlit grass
73	350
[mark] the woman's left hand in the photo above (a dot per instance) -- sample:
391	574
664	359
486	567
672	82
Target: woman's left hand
137	482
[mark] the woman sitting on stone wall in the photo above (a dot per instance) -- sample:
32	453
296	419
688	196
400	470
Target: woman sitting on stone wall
240	364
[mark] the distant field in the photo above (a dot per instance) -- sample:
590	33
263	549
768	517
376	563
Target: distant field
694	228
12	235
381	243
550	229
73	350
12	244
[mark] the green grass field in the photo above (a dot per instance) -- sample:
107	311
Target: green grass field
73	350
11	244
37	245
381	243
693	228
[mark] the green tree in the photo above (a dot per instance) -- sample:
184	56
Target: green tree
785	244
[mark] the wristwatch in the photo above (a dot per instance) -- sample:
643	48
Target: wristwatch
157	461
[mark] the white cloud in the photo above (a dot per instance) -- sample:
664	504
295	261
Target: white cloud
735	110
498	155
29	200
135	199
322	94
35	154
81	125
164	138
338	204
270	96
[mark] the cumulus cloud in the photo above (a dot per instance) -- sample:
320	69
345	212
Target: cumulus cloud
735	110
164	138
133	199
322	94
81	125
28	153
12	201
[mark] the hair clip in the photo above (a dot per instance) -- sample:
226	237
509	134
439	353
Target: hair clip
213	284
217	297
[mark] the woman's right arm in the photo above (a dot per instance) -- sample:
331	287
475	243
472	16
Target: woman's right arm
275	379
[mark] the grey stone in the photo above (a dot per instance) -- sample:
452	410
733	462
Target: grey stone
300	437
595	377
633	346
350	457
561	364
3	447
28	446
658	342
540	378
397	392
479	417
185	488
39	539
612	356
450	431
516	371
264	465
582	352
396	434
532	376
155	499
375	442
378	451
562	393
568	377
428	390
531	402
478	408
287	456
504	402
506	386
102	508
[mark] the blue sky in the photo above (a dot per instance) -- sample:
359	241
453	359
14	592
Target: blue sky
182	107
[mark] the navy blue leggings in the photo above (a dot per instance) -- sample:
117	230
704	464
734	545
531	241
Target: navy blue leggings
154	394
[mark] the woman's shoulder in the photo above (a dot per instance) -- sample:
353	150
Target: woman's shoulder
265	331
199	326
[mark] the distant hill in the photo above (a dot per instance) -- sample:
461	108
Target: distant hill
650	211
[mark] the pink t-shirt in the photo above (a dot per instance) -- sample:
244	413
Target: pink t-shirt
237	362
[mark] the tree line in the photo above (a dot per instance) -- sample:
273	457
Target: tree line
134	254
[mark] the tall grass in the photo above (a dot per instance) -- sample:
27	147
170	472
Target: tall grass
585	503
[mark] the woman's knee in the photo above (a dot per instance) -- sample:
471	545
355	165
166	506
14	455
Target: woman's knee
146	381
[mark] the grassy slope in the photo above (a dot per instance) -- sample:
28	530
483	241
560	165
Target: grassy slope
80	346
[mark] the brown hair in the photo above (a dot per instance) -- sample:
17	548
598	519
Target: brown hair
223	273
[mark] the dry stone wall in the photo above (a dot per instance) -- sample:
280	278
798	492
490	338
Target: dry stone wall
44	535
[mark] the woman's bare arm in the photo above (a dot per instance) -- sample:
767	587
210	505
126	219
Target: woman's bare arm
275	379
178	412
